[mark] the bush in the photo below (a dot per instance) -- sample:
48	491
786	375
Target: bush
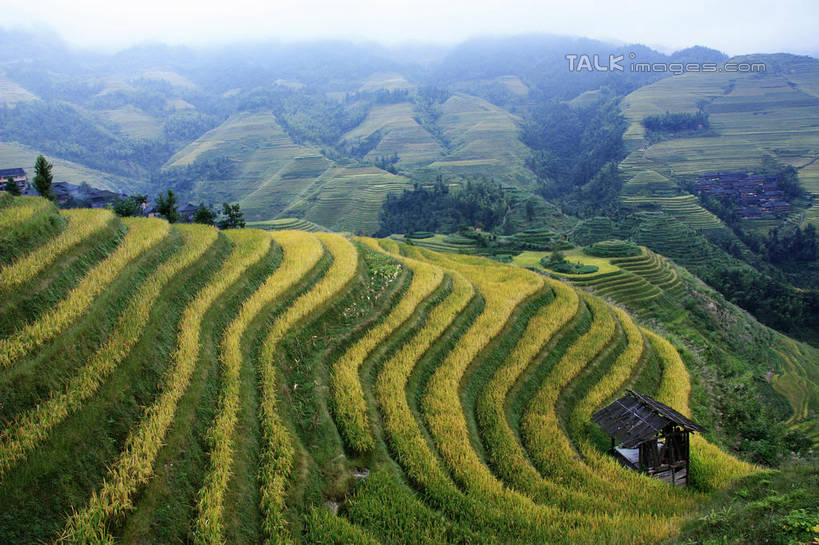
613	248
586	269
557	262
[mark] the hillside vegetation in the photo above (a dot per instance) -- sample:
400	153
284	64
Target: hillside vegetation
167	383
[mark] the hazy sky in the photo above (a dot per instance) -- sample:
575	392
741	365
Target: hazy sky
734	26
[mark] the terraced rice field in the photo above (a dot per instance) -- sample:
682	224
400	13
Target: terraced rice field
443	243
282	224
347	198
12	153
650	182
630	281
271	170
751	115
182	384
798	381
133	122
685	208
11	92
674	239
398	132
482	141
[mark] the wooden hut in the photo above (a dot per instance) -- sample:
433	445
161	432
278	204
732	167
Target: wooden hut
649	436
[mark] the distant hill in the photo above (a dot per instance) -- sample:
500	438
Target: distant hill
286	122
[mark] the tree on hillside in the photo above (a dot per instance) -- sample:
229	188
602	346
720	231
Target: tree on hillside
557	258
166	206
234	217
43	178
204	215
129	206
11	187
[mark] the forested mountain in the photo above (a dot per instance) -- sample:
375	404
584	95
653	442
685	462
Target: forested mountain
153	116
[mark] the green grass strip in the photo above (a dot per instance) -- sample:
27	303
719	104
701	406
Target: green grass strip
143	234
33	426
300	253
81	224
134	466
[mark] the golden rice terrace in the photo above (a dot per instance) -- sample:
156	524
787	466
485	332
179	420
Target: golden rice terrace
177	384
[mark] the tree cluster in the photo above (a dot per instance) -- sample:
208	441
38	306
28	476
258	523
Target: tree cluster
436	209
129	206
571	146
677	122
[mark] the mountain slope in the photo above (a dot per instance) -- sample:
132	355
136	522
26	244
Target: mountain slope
398	132
270	170
752	114
483	140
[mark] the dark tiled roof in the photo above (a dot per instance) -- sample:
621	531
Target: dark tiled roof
637	418
6	172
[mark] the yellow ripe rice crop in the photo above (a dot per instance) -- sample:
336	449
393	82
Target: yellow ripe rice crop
22	209
82	223
605	467
614	379
503	290
143	234
555	456
486	500
135	464
276	459
544	439
35	425
710	466
502	293
390	246
301	252
399	422
348	395
505	451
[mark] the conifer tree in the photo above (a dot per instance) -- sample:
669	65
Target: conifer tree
43	178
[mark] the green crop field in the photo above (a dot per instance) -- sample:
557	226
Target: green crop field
387	81
685	208
347	198
651	183
133	121
182	384
10	92
284	224
444	243
274	177
271	170
626	280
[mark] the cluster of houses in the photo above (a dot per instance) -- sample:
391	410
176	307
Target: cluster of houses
67	194
70	195
757	196
16	174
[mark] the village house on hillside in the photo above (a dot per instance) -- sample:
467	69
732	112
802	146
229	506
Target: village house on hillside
72	195
16	174
757	196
